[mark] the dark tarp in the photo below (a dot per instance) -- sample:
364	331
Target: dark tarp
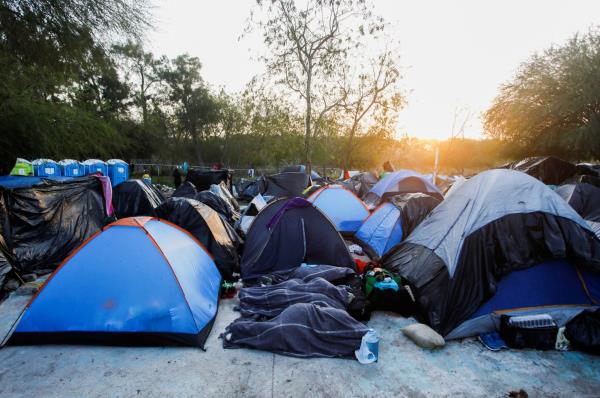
584	198
185	190
165	190
414	207
217	197
361	183
287	233
494	223
300	168
583	331
218	204
222	190
588	169
205	224
203	179
584	179
285	185
302	330
134	198
270	301
248	189
4	272
548	169
42	224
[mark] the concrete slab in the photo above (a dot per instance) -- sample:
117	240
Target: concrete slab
459	369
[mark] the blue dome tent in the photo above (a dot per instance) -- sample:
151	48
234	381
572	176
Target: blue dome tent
381	231
402	181
140	281
392	221
345	210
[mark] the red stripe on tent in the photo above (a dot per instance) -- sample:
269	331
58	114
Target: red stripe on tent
133	221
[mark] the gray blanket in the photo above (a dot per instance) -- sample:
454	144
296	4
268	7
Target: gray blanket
270	301
301	330
308	272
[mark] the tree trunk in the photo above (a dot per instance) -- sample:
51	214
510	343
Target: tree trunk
143	98
307	122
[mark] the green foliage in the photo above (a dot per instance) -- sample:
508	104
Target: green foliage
552	106
68	91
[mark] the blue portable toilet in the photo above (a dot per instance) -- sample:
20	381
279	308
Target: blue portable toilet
138	281
71	168
92	166
118	171
345	210
46	168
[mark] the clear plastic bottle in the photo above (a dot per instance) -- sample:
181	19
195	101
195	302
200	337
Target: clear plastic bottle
369	348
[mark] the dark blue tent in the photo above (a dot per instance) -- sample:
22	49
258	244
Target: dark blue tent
288	232
554	287
141	281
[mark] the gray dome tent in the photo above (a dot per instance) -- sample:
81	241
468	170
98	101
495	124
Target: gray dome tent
288	232
495	223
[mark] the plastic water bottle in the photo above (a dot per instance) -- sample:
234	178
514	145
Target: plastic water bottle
369	348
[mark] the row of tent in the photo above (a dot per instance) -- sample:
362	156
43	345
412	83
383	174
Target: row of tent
501	242
116	169
144	279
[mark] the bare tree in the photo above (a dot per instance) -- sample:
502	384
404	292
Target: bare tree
308	44
367	91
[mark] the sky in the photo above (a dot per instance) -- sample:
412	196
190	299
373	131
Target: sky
454	54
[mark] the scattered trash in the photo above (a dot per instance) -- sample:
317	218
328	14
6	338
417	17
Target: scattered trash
369	348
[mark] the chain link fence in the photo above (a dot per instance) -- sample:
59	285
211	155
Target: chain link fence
162	171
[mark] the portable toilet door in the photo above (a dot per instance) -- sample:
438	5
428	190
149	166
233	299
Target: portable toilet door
118	171
93	166
22	168
46	168
71	168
